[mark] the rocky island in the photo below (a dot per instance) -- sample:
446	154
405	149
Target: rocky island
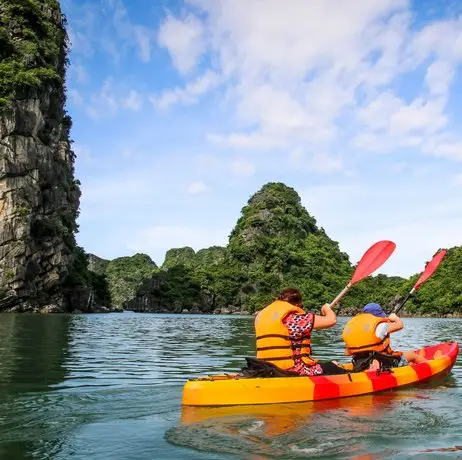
41	267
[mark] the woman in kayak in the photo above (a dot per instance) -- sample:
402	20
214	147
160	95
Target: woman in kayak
367	340
283	334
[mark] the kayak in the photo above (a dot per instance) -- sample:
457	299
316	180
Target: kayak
231	389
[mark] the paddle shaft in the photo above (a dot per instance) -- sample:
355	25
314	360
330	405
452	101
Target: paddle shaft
429	270
401	305
345	290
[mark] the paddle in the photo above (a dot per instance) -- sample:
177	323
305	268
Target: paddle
371	260
429	270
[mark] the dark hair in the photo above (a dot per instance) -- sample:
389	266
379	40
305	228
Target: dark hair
291	295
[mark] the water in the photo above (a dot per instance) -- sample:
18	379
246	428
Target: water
109	387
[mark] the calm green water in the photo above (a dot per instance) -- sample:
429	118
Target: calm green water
109	387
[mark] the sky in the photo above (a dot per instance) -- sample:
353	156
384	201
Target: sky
182	110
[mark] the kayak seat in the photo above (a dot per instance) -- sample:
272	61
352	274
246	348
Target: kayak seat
259	368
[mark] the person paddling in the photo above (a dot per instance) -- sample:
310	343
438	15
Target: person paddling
367	340
283	335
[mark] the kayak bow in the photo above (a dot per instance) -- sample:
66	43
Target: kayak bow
229	389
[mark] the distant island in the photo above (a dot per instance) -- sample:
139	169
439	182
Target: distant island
275	242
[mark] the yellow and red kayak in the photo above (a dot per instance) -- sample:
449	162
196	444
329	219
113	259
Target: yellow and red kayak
230	389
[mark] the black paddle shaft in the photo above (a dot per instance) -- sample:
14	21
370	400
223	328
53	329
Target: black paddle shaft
401	305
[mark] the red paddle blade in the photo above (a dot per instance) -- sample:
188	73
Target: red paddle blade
430	268
372	259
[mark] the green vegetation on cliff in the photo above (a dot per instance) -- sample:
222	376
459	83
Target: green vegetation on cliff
32	34
277	243
442	293
189	258
179	256
124	275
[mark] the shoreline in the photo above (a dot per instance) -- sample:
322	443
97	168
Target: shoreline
448	316
105	310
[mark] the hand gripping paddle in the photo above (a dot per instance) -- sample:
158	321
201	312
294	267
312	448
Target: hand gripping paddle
371	260
429	270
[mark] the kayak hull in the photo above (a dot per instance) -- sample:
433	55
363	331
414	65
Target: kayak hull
229	389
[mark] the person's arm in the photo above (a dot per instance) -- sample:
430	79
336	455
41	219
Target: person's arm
395	325
328	318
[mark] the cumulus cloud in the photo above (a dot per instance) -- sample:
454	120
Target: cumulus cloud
187	95
105	25
301	90
133	101
110	99
183	38
306	74
458	180
83	153
195	188
243	167
76	97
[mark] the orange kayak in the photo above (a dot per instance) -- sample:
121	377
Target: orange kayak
230	389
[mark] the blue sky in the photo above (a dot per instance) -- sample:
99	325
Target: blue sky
183	109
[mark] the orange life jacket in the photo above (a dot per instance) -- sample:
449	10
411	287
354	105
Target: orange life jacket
273	341
359	336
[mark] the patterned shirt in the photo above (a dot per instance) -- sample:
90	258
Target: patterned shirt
298	325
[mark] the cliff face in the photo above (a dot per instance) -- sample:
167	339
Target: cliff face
39	197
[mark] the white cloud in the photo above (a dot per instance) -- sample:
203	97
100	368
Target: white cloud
293	72
444	149
305	89
187	95
247	141
439	76
325	163
318	161
127	153
83	153
458	180
143	37
195	188
133	101
243	168
104	102
80	72
105	25
109	100
76	97
183	40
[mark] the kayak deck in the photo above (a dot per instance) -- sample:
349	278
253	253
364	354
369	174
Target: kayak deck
230	389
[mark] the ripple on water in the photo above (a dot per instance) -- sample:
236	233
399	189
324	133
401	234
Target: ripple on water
109	386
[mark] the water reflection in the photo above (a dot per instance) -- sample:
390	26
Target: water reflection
33	352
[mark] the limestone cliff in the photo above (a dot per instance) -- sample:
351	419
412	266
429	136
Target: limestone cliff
39	197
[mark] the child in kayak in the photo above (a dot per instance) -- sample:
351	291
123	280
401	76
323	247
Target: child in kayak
283	334
367	340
